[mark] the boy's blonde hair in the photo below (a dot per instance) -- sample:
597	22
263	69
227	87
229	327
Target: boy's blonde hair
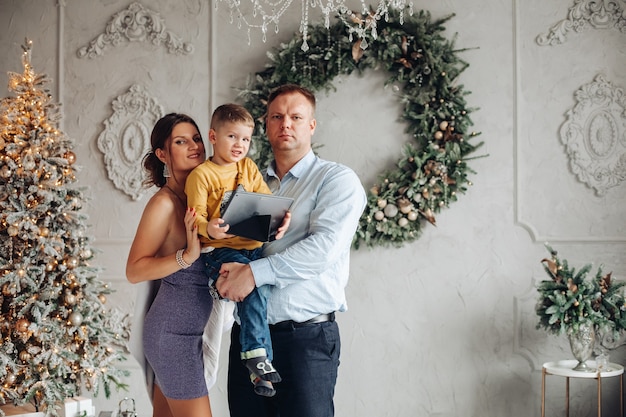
233	113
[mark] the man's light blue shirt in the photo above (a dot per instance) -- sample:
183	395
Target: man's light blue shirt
308	268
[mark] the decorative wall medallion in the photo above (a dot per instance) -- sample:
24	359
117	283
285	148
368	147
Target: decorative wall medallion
126	138
594	135
135	24
599	14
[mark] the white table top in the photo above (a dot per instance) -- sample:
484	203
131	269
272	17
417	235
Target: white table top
565	368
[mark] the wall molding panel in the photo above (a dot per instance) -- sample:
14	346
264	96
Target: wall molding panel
597	14
126	138
594	135
135	24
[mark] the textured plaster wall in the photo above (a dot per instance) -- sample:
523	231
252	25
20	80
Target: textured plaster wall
444	326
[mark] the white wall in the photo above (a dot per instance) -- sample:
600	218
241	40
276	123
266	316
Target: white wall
444	326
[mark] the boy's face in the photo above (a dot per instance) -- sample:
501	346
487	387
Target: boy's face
231	142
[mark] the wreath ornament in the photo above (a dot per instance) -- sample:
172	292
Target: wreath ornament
423	69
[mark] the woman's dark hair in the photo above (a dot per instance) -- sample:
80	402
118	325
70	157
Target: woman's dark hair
160	139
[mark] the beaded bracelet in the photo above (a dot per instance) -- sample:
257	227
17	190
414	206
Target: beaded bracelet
180	260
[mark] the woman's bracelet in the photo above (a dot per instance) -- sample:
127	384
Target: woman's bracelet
180	260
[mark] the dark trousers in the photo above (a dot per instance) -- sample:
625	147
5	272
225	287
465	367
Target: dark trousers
307	359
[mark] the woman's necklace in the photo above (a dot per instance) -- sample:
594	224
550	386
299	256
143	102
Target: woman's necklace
182	201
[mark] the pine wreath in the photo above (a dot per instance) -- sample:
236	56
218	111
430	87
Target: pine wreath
423	66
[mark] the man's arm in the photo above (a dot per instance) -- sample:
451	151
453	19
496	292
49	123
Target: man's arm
325	239
328	234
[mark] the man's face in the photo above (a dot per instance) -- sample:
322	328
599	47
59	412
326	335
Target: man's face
290	123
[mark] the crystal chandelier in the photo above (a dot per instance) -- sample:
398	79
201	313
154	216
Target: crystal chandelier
267	13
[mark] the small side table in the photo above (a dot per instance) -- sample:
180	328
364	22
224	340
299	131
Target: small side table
564	368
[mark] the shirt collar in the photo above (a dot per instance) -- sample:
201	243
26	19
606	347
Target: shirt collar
301	167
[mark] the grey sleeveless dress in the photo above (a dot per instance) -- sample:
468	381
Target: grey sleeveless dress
173	330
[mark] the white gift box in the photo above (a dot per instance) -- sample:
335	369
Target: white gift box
77	407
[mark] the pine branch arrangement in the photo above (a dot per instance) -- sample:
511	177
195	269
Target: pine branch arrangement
57	335
569	298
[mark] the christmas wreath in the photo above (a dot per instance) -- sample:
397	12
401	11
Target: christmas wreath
423	67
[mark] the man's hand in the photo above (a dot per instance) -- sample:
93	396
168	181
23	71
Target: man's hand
280	232
236	281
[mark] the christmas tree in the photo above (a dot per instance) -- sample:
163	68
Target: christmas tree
57	335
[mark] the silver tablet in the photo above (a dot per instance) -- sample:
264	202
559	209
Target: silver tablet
255	215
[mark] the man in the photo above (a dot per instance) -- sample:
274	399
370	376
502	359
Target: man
307	269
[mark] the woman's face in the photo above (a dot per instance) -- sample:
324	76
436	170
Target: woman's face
186	149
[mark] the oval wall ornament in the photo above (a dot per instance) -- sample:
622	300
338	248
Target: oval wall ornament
126	138
594	135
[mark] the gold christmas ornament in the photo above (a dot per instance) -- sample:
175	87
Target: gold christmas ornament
6	172
71	262
390	210
10	379
71	157
69	298
25	356
9	289
75	319
404	205
22	325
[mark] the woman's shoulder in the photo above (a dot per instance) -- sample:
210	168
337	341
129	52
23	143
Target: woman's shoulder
161	203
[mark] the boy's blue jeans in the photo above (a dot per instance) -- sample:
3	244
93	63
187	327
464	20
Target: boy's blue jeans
252	311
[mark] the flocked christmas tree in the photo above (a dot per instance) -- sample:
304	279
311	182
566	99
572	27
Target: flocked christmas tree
58	337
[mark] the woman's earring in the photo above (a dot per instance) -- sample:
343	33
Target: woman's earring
166	171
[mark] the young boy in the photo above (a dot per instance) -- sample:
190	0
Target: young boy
209	188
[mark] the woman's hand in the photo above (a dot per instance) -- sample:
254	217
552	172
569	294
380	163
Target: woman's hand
193	241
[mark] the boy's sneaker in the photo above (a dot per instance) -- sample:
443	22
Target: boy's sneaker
214	292
261	387
263	368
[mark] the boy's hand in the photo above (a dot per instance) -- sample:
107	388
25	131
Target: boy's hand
215	231
280	232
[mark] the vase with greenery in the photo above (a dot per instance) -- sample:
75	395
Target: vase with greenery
571	303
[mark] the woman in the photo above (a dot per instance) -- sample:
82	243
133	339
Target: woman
166	248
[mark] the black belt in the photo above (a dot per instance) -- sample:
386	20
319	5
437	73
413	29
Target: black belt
290	324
